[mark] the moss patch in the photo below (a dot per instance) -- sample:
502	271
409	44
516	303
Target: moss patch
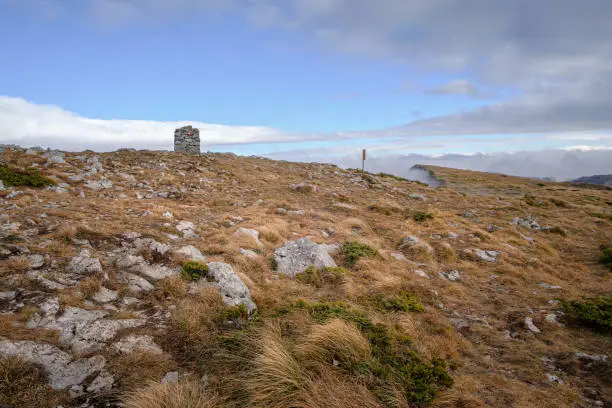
324	276
354	251
29	178
420	216
606	257
194	271
595	313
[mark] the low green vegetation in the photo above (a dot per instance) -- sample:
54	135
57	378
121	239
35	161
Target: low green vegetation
595	313
27	178
602	216
420	216
606	257
354	251
387	175
393	364
193	271
324	276
402	302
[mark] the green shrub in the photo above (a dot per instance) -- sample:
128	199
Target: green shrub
421	216
193	270
387	175
593	312
606	257
319	277
16	178
353	251
402	302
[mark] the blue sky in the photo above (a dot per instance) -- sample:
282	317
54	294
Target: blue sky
431	77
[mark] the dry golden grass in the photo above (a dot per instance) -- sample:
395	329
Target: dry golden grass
336	340
330	390
134	370
276	379
25	385
18	264
187	394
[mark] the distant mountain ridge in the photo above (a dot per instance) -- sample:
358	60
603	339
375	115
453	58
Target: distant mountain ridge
601	179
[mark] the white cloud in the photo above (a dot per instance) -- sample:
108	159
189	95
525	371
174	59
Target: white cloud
28	124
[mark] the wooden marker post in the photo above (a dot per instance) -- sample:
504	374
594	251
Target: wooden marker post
363	158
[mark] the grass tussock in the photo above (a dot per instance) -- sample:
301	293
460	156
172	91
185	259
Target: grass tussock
337	341
421	216
187	394
276	379
12	177
137	369
25	385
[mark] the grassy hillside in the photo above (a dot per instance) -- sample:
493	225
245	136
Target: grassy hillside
488	291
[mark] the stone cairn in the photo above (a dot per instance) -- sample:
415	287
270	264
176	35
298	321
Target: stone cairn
187	140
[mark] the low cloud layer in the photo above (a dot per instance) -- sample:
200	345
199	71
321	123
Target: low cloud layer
560	164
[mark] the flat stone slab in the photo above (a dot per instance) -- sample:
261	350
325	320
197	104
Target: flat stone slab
296	256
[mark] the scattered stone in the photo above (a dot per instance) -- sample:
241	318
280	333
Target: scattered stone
601	358
304	187
36	261
8	296
232	289
171	377
493	228
153	245
421	273
452	276
62	372
452	235
134	342
103	382
249	253
418	197
248	232
192	253
553	379
54	156
296	256
548	286
83	264
532	327
105	295
137	284
156	272
167	214
281	211
486	255
398	256
408	242
526	223
101	184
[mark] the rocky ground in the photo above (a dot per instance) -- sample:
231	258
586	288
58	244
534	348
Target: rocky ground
222	280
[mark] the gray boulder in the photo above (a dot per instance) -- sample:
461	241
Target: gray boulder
487	256
61	370
191	252
135	342
296	256
232	289
84	264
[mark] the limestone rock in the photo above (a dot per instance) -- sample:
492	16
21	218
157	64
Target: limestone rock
61	370
101	184
452	276
532	327
487	256
192	253
296	256
232	289
36	261
134	342
105	295
137	284
83	264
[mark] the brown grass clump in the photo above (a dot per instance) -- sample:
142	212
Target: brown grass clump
25	385
136	369
188	394
173	287
444	253
18	263
329	390
337	340
276	379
